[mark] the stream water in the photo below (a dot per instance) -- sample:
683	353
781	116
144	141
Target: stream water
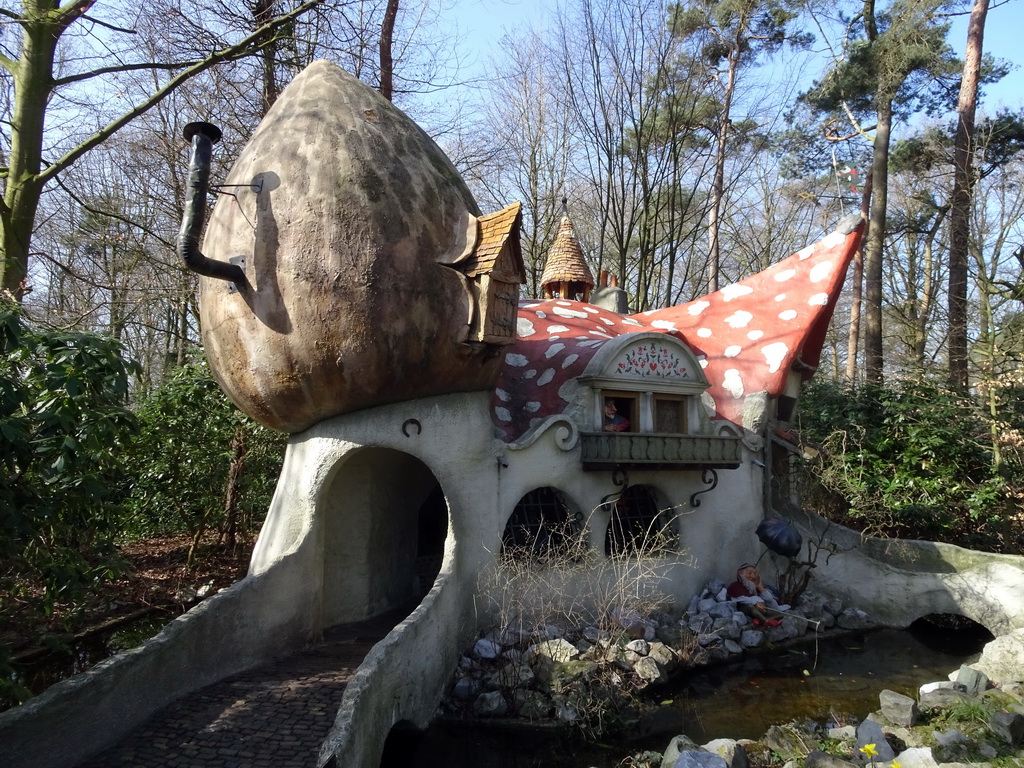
829	681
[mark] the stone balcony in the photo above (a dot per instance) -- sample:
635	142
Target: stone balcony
635	450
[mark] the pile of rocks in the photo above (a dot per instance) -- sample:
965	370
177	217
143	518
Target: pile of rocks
564	672
966	720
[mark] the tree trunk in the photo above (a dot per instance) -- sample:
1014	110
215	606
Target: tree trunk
387	62
235	469
960	204
873	362
718	185
853	342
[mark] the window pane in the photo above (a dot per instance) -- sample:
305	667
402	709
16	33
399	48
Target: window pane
669	415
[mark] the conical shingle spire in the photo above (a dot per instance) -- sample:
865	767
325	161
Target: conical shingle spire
566	274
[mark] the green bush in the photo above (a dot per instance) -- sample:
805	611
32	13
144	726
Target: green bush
910	459
64	427
190	439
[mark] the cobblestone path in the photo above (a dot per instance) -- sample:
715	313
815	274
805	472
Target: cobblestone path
274	716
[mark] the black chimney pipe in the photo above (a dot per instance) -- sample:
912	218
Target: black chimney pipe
202	136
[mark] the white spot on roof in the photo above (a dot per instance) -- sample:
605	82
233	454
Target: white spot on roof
592	310
704	333
732	383
734	291
774	354
503	414
564	304
784	275
524	327
553	350
546	377
532	407
562	312
557	329
709	403
568	390
703	362
739	319
805	253
631	321
836	238
733	350
569	361
789	314
602	334
818	300
755	335
503	395
606	321
698	306
821	271
590	342
530	374
516	360
541	314
781	297
668	325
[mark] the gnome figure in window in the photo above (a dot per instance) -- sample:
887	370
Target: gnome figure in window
613	420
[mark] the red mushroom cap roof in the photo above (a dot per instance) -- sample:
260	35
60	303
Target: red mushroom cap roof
748	336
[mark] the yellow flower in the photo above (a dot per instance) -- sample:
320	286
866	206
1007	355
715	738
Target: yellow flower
869	750
896	764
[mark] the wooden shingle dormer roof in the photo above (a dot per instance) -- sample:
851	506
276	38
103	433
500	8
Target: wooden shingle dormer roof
566	265
496	230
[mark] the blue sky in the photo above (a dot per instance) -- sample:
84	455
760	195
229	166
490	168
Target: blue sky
483	22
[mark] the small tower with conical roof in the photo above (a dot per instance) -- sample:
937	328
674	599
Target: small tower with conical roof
566	274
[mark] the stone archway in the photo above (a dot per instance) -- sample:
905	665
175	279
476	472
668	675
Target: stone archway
382	515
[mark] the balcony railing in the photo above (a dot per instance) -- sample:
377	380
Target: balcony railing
606	450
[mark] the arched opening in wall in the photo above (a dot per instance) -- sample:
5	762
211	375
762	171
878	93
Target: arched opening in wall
402	744
432	530
542	527
385	522
639	526
951	633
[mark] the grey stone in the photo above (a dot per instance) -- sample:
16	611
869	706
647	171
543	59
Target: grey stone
834	606
694	602
846	732
734	754
818	759
974	681
941	698
751	638
917	757
556	650
708	640
466	688
722	611
698	759
718	652
700	623
1008	725
727	629
593	634
640	647
870	732
649	670
676	747
1003	658
900	709
789	741
732	646
853	618
674	635
514	675
664	655
486	649
714	587
939	684
490	704
705	605
949	738
533	705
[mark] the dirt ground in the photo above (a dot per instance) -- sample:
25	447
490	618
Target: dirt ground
155	579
